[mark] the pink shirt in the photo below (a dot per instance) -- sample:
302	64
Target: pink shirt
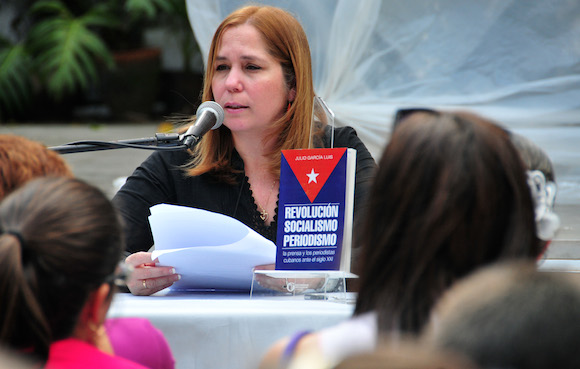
72	353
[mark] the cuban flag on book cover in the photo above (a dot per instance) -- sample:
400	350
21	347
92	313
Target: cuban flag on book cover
311	209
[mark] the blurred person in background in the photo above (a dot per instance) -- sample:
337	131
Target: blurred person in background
22	159
510	315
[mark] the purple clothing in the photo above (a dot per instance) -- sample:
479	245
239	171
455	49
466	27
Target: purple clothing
138	340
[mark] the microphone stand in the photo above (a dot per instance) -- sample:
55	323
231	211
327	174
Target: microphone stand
161	141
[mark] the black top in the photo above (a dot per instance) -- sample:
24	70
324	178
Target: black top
162	179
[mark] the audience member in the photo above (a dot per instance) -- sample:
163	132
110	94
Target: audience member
450	195
13	360
22	160
406	355
138	340
534	157
511	316
542	181
60	245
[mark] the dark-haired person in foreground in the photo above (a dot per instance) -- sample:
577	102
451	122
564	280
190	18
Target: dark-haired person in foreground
510	315
60	246
451	195
23	160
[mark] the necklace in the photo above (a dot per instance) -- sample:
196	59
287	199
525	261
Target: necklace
263	213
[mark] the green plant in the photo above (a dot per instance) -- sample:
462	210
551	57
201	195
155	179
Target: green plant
177	21
133	17
67	48
15	86
60	54
147	9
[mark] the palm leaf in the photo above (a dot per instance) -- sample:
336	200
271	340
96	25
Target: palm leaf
146	8
50	6
67	49
100	16
15	87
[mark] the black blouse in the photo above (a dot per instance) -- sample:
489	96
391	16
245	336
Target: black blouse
161	178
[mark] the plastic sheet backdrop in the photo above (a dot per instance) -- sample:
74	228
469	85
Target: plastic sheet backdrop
514	61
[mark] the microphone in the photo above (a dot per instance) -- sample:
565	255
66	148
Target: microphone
210	115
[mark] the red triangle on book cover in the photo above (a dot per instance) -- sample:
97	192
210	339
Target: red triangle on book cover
312	167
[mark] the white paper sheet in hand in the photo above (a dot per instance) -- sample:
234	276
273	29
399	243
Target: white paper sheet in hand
209	250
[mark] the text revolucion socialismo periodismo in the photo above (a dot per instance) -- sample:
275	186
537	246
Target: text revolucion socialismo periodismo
311	225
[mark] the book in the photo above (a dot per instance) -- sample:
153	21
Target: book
315	209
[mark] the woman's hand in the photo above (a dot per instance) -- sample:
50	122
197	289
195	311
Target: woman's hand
146	277
292	285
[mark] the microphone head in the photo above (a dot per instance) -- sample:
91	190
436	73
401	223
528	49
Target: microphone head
215	108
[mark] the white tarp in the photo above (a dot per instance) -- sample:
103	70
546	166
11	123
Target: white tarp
515	61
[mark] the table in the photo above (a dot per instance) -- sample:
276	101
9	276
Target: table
213	330
559	265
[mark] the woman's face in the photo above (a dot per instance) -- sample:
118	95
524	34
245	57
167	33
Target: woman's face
247	82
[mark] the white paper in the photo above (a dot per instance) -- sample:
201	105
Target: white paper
209	250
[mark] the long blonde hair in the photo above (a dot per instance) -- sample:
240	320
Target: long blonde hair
287	43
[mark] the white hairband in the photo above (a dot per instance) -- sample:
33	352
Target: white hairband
543	194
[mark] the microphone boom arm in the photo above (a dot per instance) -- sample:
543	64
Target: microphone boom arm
210	115
161	141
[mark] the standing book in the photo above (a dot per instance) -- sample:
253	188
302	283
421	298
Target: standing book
315	209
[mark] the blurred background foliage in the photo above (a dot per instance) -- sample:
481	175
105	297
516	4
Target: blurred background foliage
59	53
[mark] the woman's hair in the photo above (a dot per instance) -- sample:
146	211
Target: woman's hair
407	354
60	239
450	195
22	159
525	318
541	178
533	156
286	42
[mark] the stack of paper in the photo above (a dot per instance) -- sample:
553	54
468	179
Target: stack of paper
210	251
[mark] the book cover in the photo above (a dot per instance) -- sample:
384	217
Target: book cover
315	209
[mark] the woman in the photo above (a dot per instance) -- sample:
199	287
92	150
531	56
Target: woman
526	319
22	159
450	195
463	201
407	355
259	71
60	245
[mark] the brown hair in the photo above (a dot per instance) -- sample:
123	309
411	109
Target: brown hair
22	159
60	239
450	195
525	319
533	156
407	354
287	43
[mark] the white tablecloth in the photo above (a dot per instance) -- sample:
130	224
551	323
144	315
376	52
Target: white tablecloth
226	331
560	265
